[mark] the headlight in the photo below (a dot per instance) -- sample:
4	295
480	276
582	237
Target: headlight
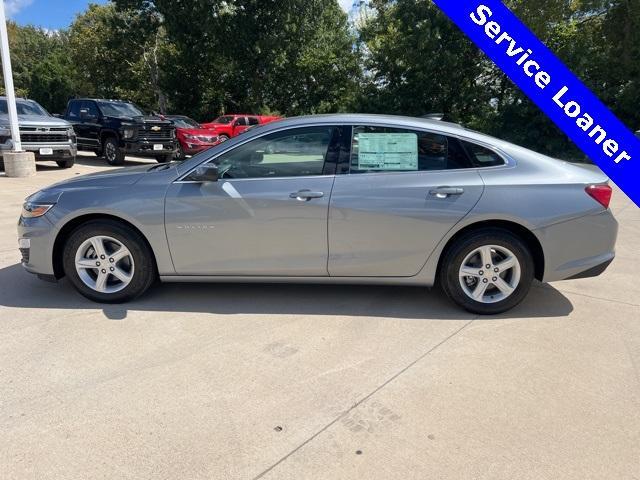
5	132
128	132
71	133
34	210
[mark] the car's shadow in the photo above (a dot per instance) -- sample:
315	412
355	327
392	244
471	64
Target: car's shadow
22	290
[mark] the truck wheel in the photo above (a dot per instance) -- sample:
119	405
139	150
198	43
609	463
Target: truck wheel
223	138
66	163
108	262
179	155
164	158
488	271
112	151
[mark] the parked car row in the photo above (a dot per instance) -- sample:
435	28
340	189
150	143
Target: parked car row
114	129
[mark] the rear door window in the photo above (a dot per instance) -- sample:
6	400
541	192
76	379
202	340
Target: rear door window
385	149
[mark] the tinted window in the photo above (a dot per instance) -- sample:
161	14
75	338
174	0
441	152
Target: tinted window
224	120
253	121
184	122
481	156
91	108
74	110
383	149
293	153
241	121
120	109
24	107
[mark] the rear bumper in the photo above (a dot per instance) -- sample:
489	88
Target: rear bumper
579	248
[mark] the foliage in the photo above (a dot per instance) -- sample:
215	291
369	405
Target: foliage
206	57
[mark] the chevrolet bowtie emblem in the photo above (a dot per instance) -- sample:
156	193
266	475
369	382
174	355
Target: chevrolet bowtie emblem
156	129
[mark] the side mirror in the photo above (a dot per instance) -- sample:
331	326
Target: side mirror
205	174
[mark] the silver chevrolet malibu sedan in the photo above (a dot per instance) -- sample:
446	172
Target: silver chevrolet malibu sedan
330	199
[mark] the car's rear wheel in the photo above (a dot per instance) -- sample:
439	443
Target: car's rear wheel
112	151
487	271
108	262
223	138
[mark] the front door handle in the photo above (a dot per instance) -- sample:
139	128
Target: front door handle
444	192
306	195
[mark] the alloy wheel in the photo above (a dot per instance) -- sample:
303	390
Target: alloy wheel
490	274
104	264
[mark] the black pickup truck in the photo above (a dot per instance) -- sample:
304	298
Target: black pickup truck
116	128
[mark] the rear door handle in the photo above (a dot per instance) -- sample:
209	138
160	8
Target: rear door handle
444	192
306	195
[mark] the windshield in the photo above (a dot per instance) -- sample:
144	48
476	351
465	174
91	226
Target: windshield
24	107
224	120
184	122
120	109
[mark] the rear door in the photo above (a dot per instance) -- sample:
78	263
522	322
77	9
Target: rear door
404	191
266	214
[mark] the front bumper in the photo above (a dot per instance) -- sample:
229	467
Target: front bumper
148	148
194	148
578	248
60	151
35	241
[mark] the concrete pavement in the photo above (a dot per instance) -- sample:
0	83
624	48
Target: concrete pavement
316	382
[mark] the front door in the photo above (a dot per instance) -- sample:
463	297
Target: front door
266	214
405	191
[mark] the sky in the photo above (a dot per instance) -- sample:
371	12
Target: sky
56	14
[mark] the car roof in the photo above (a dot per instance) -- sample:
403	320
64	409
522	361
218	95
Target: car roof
110	100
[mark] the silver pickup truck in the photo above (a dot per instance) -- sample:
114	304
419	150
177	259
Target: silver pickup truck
48	137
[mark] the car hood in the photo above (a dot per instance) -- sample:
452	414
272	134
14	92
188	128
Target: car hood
140	120
109	178
36	121
195	131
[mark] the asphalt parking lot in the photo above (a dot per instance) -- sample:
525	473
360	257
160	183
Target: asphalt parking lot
316	382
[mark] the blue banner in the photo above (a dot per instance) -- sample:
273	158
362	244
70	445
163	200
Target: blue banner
552	86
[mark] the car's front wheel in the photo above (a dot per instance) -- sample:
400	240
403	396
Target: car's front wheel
487	271
108	262
112	151
66	163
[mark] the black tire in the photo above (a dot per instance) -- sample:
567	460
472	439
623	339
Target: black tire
164	158
454	256
179	155
144	273
223	138
112	151
66	163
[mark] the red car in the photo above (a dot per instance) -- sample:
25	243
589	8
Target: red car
192	137
229	126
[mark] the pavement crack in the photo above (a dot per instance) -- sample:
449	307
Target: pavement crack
362	400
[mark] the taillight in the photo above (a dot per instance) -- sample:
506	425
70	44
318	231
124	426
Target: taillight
601	193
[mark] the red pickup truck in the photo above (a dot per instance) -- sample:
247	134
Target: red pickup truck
229	126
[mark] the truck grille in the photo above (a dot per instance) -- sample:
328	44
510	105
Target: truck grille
165	132
43	135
